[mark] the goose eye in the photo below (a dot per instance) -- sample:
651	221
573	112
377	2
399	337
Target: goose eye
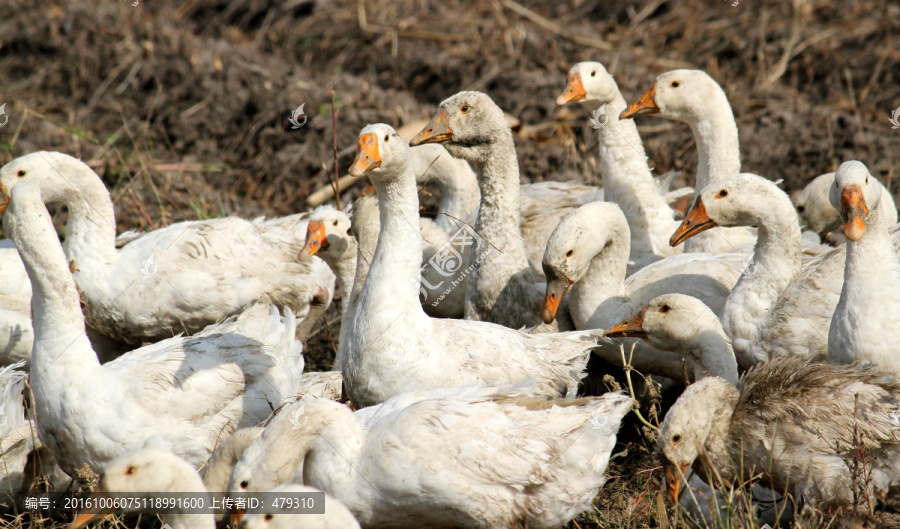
464	109
387	138
801	209
21	173
665	308
676	438
675	84
594	73
350	232
268	517
334	223
245	484
569	253
130	470
723	193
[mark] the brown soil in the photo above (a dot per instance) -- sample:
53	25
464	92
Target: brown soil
183	107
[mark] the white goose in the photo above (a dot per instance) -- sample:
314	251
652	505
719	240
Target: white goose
153	469
866	323
686	326
179	278
502	287
460	457
193	390
627	180
817	213
695	98
393	346
336	516
588	254
776	307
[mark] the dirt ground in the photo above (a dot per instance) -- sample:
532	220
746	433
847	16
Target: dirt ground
183	107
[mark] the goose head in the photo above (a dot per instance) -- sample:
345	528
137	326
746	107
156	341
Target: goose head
152	469
574	243
667	322
589	83
855	193
56	173
381	154
699	419
466	124
682	95
328	235
813	205
737	201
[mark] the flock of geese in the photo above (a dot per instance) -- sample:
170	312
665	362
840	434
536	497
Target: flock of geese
171	361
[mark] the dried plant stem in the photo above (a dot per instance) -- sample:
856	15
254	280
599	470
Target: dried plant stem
335	184
626	365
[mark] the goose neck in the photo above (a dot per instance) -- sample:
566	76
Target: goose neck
605	276
876	246
61	347
459	198
712	352
398	254
718	147
91	226
499	186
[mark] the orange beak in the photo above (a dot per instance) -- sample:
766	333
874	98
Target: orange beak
437	131
574	90
4	199
236	515
315	239
556	289
675	475
853	212
89	515
646	105
367	155
694	222
632	327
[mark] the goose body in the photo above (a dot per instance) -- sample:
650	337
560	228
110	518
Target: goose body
772	425
866	322
459	457
177	279
16	334
393	346
587	256
192	390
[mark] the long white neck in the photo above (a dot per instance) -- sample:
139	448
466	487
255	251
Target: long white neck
627	181
602	289
717	143
459	198
398	255
61	348
710	350
502	253
775	263
91	226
